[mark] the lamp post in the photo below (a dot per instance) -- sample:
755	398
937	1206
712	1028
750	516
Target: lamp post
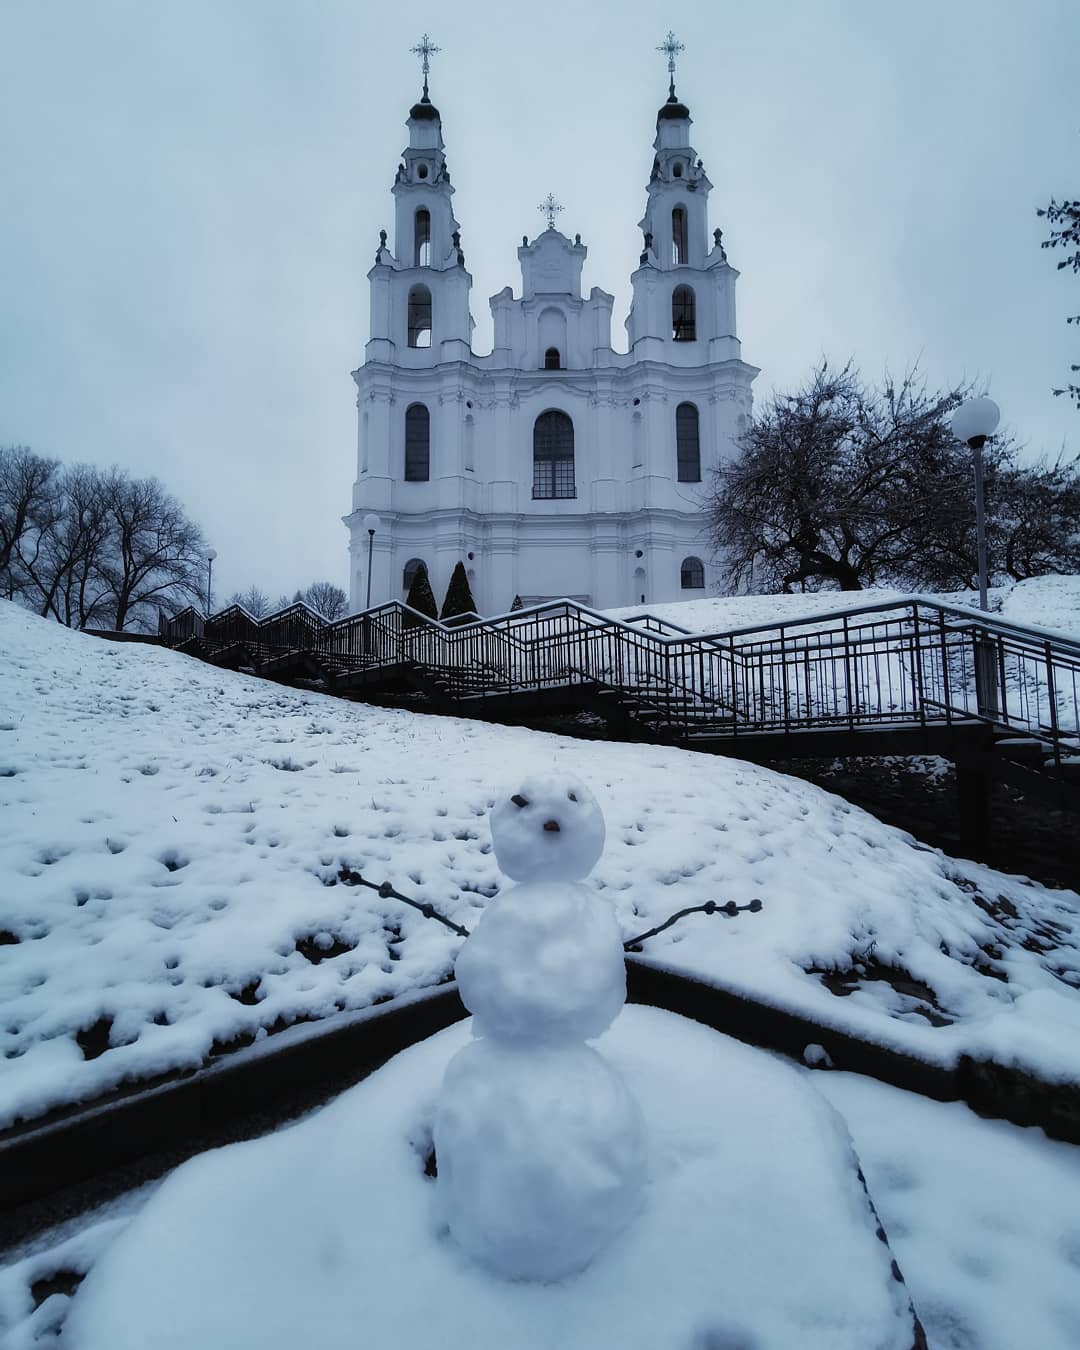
371	524
209	555
974	422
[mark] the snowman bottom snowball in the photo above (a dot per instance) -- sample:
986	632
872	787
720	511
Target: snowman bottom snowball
541	1155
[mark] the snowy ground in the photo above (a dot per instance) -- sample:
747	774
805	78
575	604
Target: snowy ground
751	1226
984	1217
981	1215
1051	602
173	833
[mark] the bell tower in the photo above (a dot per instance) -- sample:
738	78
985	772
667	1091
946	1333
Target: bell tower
420	293
683	310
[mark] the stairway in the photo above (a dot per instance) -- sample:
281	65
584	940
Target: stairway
902	677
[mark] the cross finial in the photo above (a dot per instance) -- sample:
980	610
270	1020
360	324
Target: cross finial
551	208
425	49
671	47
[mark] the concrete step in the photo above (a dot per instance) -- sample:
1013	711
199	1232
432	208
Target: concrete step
1021	749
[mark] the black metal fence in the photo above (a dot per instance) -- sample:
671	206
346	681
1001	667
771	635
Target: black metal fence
905	663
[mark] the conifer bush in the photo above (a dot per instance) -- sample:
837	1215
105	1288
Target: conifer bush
459	599
421	598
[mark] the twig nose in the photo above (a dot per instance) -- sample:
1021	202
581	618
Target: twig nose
552	825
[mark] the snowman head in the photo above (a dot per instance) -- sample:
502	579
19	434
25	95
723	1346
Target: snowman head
547	828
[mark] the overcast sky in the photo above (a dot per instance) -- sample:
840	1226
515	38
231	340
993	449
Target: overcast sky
192	190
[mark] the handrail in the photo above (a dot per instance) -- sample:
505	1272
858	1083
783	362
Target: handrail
913	659
983	618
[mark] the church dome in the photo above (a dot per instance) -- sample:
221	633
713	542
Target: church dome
424	111
672	109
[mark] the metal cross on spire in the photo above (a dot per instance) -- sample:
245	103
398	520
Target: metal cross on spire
551	208
671	47
425	49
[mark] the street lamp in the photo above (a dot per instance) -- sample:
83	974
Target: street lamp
209	555
973	423
371	524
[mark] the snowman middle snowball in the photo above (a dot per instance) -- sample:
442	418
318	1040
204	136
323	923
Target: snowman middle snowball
540	1146
545	963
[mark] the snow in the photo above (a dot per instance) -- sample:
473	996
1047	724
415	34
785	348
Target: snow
173	833
727	613
29	1326
754	1233
1051	602
984	1217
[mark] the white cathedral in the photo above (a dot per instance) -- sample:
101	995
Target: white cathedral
555	465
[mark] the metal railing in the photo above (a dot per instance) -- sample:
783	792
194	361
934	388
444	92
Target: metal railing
902	663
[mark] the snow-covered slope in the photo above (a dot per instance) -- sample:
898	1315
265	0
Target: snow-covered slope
170	836
1047	602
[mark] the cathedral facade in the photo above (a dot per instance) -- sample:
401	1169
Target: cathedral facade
554	465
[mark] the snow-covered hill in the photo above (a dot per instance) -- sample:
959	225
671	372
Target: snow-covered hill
171	835
1051	602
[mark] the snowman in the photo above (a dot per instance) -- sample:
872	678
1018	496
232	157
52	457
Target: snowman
539	1144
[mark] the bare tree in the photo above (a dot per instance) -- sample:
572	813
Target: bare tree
840	485
1065	215
255	601
76	549
1034	515
326	599
156	555
844	486
93	547
27	489
59	558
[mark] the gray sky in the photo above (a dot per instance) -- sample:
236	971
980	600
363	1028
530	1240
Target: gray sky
192	192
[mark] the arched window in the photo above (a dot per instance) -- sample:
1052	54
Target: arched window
678	235
553	456
692	574
408	575
419	317
683	320
687	443
422	239
552	360
417	444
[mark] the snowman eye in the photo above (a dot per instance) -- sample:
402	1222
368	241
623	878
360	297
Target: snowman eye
572	797
519	800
